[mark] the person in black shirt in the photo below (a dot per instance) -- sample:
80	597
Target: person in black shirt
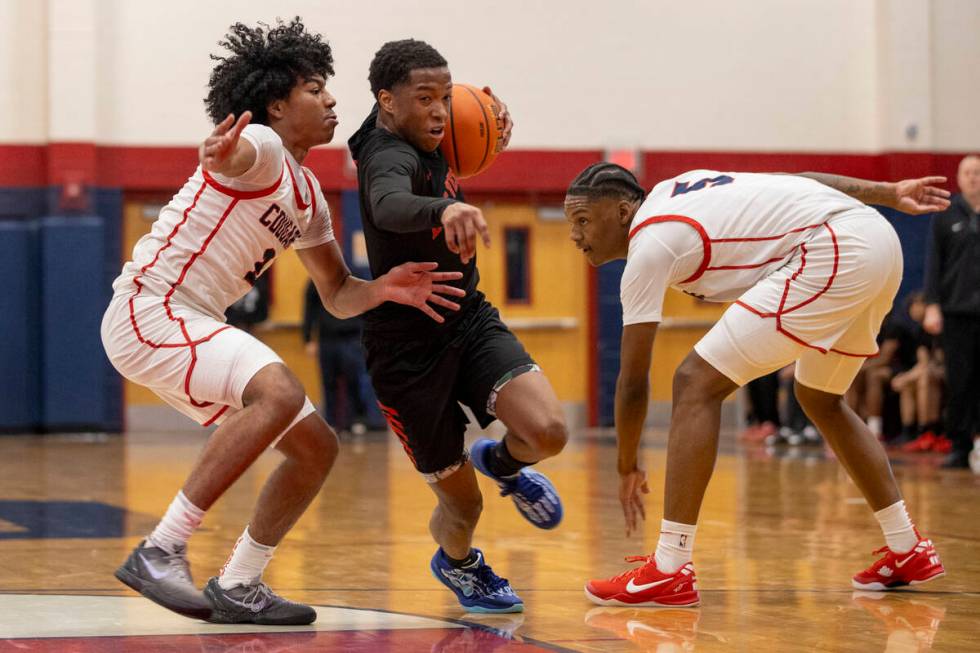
412	207
336	344
953	297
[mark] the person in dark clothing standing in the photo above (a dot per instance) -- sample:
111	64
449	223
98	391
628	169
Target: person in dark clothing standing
412	206
337	345
953	297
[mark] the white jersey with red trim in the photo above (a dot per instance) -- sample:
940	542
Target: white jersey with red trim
715	234
218	234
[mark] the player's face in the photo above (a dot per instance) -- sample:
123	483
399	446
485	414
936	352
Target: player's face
968	177
309	114
420	107
599	227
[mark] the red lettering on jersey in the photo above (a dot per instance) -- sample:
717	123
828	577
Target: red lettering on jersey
435	232
452	185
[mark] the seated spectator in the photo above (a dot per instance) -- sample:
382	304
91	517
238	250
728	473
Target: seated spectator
919	388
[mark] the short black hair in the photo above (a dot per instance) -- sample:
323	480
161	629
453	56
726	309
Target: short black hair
607	180
264	66
394	62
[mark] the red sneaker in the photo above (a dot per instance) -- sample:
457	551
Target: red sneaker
647	586
893	570
942	444
922	443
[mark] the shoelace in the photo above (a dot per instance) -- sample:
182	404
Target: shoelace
257	597
631	572
491	582
177	561
525	486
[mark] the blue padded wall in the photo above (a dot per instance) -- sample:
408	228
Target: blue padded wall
20	405
73	262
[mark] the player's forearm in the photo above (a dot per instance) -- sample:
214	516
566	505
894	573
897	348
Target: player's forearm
404	212
354	296
869	192
631	411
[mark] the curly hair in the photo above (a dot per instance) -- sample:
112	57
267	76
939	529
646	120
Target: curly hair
264	66
606	180
394	62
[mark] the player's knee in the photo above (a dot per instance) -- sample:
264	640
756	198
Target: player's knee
691	383
816	402
463	511
325	447
278	390
552	435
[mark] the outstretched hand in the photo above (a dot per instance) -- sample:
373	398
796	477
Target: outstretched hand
217	148
507	123
631	488
414	284
917	196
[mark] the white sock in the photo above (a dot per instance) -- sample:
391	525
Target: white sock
899	533
874	424
246	563
176	527
675	546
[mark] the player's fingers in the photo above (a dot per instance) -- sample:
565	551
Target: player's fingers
645	488
469	240
428	310
426	266
936	179
445	276
242	123
939	192
638	502
223	126
451	237
449	290
438	300
481	227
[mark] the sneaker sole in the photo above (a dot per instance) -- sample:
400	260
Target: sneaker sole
881	587
218	617
133	582
643	604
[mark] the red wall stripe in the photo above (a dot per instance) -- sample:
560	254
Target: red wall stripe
138	168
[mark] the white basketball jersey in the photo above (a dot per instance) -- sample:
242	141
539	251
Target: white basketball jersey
218	234
716	234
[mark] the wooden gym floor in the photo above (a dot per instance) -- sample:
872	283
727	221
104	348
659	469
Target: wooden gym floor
780	536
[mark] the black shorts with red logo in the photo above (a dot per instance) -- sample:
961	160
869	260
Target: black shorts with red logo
421	382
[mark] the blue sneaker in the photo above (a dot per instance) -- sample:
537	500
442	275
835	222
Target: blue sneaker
476	586
533	494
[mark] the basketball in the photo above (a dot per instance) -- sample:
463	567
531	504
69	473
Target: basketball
474	134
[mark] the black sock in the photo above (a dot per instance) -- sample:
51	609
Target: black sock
468	560
501	463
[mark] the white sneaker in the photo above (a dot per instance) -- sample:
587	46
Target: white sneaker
975	457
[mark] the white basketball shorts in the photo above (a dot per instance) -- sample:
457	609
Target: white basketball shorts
823	309
197	364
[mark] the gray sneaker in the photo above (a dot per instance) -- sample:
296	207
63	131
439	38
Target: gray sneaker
165	579
254	604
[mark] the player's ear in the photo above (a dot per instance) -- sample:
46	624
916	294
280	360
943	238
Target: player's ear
626	212
275	109
386	100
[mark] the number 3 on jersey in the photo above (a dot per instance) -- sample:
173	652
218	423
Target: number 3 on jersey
682	187
259	266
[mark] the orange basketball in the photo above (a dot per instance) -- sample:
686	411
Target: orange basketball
473	136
